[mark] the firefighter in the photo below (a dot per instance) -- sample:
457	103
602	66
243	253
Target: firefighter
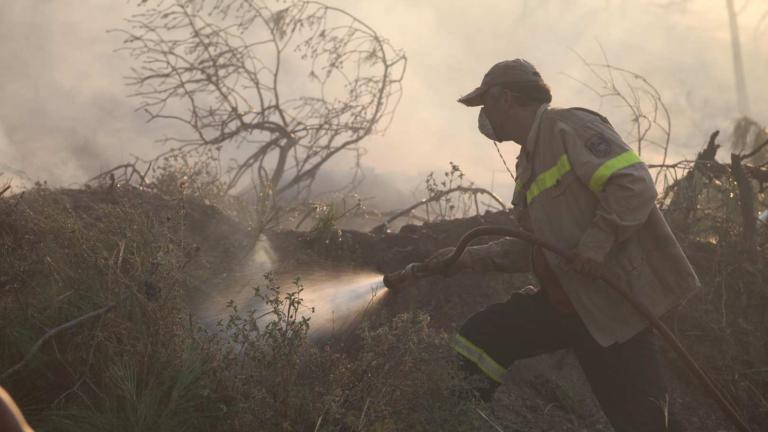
578	185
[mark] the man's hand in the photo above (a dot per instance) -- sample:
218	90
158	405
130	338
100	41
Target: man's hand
434	262
591	267
586	265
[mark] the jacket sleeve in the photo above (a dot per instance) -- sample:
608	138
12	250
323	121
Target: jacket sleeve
619	179
507	255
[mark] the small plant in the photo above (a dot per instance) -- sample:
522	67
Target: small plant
444	206
454	196
258	355
324	230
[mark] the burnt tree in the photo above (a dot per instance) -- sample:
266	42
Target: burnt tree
278	88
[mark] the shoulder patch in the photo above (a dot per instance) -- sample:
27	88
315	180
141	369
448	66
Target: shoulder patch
599	146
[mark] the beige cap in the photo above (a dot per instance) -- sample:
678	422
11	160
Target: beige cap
505	72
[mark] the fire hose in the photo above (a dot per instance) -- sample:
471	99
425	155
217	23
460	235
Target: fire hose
419	270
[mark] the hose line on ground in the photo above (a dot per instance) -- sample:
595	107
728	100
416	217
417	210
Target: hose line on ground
416	270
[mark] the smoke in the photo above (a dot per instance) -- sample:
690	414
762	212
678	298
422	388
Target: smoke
66	114
209	303
684	51
62	99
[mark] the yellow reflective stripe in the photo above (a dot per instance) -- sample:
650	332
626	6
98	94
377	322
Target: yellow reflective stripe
478	357
609	167
548	178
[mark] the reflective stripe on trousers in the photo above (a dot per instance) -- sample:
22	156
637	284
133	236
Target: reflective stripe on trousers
477	356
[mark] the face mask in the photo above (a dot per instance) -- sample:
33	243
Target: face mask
485	126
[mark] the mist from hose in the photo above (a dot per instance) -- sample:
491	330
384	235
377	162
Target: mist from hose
333	298
337	300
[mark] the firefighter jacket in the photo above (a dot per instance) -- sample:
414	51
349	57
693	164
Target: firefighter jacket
581	187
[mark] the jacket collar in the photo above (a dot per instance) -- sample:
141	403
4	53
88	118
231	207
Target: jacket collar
523	166
533	135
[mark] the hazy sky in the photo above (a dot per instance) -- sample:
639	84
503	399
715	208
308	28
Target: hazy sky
64	114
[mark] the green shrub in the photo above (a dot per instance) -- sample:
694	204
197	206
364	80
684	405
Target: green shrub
403	377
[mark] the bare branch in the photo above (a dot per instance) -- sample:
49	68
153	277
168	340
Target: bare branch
53	332
437	197
755	151
649	114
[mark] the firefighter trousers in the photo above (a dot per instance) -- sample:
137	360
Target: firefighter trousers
626	378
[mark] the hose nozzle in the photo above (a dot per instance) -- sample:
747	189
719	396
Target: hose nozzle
411	272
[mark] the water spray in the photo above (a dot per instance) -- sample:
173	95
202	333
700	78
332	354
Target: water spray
339	299
395	281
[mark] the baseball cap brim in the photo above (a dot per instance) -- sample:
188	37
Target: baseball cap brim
473	98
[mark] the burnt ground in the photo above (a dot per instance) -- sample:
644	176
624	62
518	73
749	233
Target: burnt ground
545	393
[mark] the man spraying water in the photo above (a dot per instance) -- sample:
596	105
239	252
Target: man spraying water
578	186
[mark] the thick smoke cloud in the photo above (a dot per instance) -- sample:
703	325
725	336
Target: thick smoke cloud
65	114
63	105
683	48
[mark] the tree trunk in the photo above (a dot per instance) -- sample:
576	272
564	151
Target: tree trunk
742	97
684	201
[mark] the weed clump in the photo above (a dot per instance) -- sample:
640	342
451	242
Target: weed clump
65	254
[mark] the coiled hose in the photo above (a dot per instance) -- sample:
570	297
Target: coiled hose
418	270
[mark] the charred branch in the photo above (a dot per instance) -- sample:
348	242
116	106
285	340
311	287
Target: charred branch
747	204
686	191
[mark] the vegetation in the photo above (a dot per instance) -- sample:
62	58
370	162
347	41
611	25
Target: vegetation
144	364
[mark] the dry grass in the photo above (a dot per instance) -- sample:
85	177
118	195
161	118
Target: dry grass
143	364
